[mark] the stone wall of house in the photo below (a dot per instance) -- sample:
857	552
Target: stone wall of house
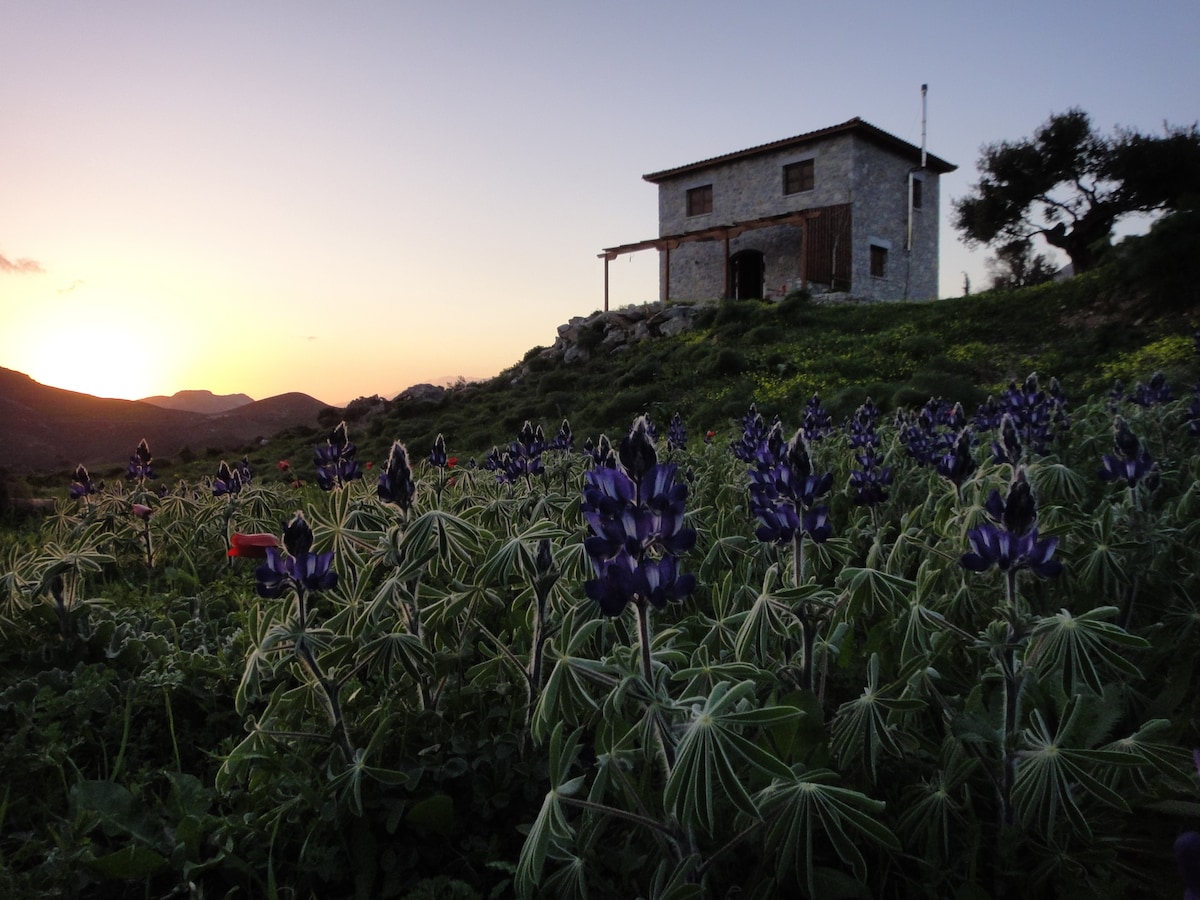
846	169
742	190
881	217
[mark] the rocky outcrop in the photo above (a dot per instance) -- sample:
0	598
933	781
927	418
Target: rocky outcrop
422	393
613	331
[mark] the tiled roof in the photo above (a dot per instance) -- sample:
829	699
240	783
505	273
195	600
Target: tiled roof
856	125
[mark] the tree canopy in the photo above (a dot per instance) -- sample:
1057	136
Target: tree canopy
1071	185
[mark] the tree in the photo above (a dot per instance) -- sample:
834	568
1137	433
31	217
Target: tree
1017	265
1071	185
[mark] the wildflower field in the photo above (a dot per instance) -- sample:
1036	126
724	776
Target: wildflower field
932	652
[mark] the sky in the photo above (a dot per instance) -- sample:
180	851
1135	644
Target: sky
347	199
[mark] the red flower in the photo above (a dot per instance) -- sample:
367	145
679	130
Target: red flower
370	464
283	465
142	511
451	462
251	545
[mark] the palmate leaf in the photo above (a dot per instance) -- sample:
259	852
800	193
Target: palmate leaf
551	833
452	539
711	756
1079	648
514	558
1053	778
389	653
872	588
861	727
571	686
767	623
806	811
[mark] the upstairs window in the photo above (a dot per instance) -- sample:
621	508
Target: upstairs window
917	184
879	257
699	200
798	177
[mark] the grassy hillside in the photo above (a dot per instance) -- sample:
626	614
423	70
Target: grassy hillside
1087	332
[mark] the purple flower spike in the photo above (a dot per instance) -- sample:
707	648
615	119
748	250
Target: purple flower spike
395	481
635	512
1010	541
301	570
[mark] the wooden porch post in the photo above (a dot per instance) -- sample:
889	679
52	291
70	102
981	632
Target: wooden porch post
666	291
725	291
606	258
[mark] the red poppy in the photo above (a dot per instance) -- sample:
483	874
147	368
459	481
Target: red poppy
283	465
370	464
251	545
142	511
451	462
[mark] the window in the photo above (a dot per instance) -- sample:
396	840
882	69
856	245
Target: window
917	184
798	177
879	257
699	200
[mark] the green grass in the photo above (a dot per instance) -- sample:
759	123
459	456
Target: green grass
1086	332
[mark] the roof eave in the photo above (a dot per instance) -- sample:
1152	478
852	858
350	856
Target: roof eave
868	131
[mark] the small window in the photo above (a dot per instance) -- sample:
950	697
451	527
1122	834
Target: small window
699	200
879	257
798	177
917	184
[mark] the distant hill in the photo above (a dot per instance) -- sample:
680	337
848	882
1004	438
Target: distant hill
205	402
45	429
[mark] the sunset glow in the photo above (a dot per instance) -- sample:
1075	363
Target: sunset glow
347	201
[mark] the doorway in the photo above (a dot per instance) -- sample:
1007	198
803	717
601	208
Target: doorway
746	269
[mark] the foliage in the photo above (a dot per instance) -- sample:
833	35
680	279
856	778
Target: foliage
1070	185
975	680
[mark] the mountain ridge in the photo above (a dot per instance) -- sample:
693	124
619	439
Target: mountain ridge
44	429
198	401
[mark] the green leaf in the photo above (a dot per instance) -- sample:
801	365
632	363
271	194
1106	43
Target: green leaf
127	864
710	751
1076	649
809	807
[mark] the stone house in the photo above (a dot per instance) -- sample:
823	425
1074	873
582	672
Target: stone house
849	209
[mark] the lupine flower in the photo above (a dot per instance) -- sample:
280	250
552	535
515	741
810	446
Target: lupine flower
437	456
817	423
676	433
81	483
635	512
957	464
1130	462
602	454
251	546
1008	447
245	471
1010	540
869	480
564	440
933	432
1037	415
784	491
395	481
522	459
335	460
300	570
754	433
1156	392
227	481
139	468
